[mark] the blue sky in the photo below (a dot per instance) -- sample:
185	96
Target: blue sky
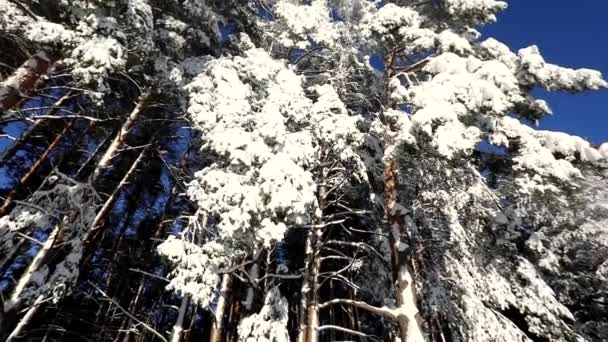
572	34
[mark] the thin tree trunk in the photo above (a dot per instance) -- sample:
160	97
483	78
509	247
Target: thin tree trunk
23	79
217	330
10	151
119	138
37	263
8	201
254	273
105	209
92	156
25	320
178	328
133	308
10	255
307	287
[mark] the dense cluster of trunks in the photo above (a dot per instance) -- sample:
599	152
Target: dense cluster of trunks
137	157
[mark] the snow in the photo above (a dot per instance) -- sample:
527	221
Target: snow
306	21
603	149
248	107
196	271
450	41
12	18
96	59
140	13
553	77
58	196
268	130
478	11
270	324
265	135
45	32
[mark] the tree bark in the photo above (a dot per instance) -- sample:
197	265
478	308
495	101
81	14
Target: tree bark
10	151
133	308
309	309
120	137
25	320
24	79
37	263
254	274
8	201
407	313
107	206
217	330
178	328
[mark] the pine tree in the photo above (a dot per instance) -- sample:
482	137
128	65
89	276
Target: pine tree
291	170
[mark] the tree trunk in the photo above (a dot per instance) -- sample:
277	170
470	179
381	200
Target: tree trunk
37	263
407	311
254	273
133	308
23	80
405	288
25	320
217	330
410	323
309	311
119	138
107	206
178	328
10	151
8	201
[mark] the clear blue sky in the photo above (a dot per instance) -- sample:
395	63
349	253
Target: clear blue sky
568	33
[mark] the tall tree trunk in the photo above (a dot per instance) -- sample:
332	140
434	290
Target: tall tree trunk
254	273
25	320
8	201
35	265
93	155
217	330
120	137
10	151
178	328
309	311
24	79
407	314
107	206
133	308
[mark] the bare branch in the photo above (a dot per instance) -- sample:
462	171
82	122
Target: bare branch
346	330
381	311
149	328
149	274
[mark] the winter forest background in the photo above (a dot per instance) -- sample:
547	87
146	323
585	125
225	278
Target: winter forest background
284	170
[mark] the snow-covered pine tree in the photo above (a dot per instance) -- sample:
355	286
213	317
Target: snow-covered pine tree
369	171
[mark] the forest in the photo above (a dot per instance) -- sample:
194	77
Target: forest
291	170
